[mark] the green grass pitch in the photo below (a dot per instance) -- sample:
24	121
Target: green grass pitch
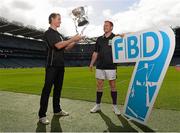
80	83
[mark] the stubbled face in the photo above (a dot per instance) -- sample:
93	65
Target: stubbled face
107	27
56	21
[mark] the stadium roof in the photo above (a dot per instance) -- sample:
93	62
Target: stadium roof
30	32
18	29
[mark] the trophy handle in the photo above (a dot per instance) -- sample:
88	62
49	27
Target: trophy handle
74	19
86	10
83	29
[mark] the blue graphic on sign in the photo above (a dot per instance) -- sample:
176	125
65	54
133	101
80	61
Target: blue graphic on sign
152	51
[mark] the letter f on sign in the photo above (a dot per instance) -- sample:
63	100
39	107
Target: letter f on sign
118	47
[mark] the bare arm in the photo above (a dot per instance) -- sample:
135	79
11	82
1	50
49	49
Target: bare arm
70	42
70	46
93	60
63	44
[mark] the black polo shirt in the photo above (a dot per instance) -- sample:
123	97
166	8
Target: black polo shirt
55	57
104	50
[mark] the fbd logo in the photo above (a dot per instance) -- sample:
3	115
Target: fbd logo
152	51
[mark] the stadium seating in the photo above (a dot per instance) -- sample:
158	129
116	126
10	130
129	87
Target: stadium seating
18	52
21	52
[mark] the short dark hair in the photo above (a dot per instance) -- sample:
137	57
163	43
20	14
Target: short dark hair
53	15
110	22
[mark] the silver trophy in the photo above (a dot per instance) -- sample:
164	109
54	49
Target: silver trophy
80	18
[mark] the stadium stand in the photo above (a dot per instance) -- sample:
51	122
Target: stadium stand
22	46
21	52
176	57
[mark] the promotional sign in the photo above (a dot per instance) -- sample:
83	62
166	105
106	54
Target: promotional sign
152	51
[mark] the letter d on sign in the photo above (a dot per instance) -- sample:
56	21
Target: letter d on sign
152	50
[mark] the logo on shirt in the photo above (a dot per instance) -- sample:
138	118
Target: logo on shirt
110	42
152	51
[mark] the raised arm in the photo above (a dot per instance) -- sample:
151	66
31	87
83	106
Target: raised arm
69	42
70	46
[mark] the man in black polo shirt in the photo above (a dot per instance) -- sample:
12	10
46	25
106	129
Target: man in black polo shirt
54	67
105	68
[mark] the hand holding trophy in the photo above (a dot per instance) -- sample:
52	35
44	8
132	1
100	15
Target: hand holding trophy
80	18
77	38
